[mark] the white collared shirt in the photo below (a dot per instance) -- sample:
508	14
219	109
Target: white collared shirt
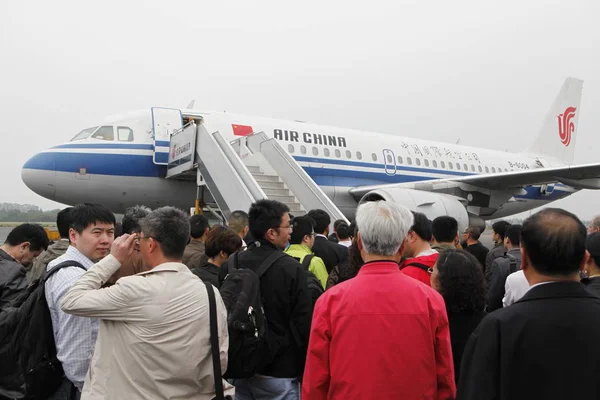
75	337
515	287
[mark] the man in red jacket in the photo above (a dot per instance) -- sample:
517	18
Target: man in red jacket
420	255
381	335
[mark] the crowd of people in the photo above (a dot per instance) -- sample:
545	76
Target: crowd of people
271	306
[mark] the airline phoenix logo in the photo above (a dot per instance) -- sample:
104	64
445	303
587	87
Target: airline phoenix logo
566	126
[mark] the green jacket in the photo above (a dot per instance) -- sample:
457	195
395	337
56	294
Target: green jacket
317	266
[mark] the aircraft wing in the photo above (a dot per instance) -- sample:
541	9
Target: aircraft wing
585	176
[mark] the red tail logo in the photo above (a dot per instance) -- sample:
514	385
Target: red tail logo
566	127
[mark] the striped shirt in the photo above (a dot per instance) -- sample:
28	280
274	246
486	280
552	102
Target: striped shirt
75	337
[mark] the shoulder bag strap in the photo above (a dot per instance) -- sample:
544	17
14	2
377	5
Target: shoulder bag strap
214	342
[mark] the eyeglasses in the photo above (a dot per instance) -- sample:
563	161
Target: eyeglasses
282	227
137	241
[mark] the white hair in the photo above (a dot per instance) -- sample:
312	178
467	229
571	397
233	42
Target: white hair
383	226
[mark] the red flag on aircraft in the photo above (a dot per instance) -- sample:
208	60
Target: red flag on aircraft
241	130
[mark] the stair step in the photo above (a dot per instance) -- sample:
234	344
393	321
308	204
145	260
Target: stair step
254	169
283	199
267	178
271	185
276	191
296	209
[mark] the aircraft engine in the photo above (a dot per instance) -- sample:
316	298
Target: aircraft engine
431	204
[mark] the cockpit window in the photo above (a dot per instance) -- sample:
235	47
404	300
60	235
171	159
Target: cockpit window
104	133
124	134
84	133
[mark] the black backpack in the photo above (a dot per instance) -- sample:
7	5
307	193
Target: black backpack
513	266
246	320
29	368
314	284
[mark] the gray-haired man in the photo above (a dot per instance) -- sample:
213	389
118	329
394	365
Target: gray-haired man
154	338
361	328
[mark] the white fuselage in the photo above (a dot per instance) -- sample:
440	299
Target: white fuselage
121	172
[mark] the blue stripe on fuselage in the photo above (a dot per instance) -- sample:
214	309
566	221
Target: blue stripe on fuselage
142	165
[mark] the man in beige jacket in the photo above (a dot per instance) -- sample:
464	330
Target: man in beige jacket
154	337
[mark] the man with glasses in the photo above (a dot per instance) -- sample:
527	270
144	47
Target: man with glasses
154	337
286	301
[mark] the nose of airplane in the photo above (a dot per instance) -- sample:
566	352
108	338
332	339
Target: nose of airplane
39	175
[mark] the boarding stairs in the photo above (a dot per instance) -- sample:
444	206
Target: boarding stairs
240	172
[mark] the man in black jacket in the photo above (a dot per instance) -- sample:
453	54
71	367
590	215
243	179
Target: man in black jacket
331	253
286	302
529	350
503	267
470	238
22	245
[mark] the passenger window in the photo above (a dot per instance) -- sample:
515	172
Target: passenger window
458	166
400	160
303	149
326	152
348	154
338	153
104	133
434	164
409	160
291	148
466	167
359	155
450	166
84	134
124	134
427	163
480	169
487	170
389	159
472	168
418	161
374	157
443	164
315	151
493	169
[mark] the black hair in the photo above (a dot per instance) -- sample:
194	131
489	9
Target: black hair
421	226
86	214
301	226
554	240
238	220
461	280
198	225
63	222
322	220
474	232
337	223
170	227
352	228
444	229
513	233
343	231
132	218
264	215
500	228
34	234
221	238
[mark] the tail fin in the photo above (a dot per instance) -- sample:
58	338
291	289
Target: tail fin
557	137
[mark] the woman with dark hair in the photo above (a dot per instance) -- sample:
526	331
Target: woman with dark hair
220	243
347	269
458	277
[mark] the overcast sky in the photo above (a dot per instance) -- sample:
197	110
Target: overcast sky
439	70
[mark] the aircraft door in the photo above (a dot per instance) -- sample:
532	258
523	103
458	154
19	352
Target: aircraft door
389	160
164	122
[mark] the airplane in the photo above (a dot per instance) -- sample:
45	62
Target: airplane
120	163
